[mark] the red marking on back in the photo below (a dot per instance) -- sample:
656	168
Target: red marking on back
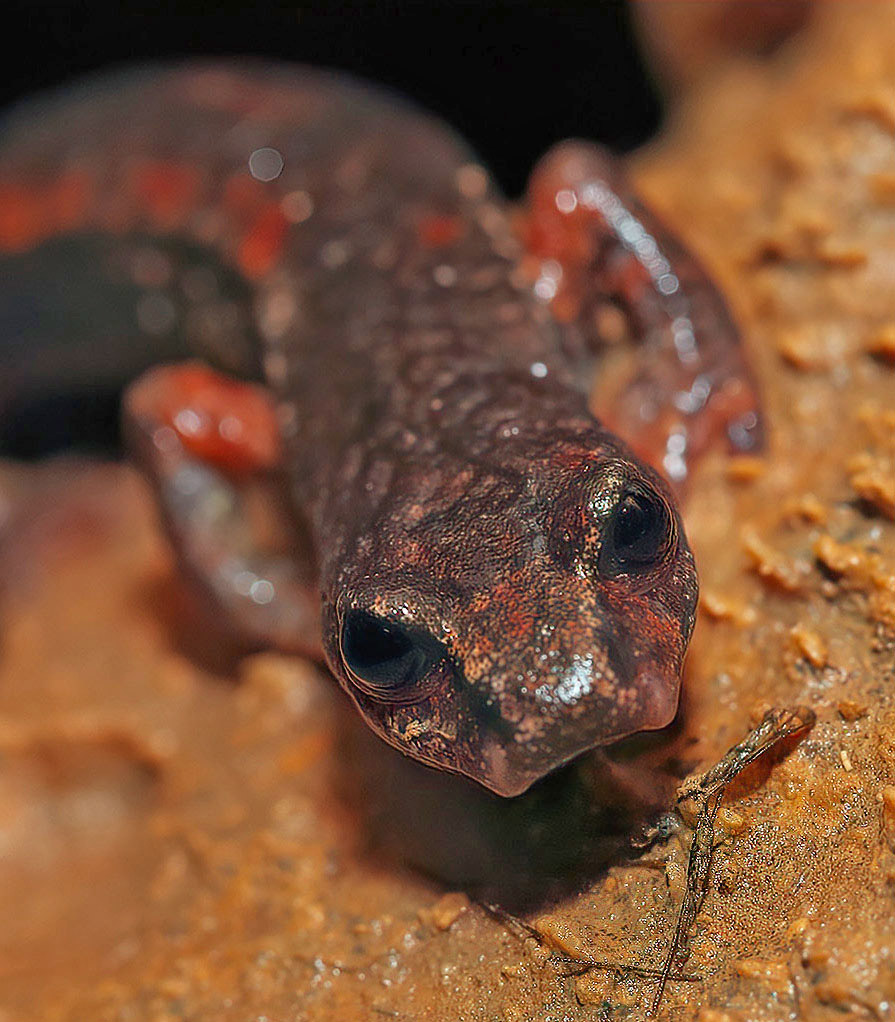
31	214
166	191
261	246
221	421
438	230
21	217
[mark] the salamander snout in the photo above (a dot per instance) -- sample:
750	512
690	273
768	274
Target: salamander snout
595	639
580	666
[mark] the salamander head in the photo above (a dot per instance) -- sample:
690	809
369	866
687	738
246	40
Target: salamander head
530	623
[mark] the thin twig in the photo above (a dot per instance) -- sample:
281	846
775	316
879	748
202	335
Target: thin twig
595	964
584	965
708	793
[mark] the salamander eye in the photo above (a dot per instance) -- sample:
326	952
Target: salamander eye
385	658
638	534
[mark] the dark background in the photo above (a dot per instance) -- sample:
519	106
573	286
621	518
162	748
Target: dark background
513	78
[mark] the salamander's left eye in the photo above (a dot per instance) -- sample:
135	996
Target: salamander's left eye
386	658
638	534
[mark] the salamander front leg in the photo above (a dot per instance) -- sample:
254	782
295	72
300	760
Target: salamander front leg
602	252
210	447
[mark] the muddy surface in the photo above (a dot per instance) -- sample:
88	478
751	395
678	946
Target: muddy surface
185	834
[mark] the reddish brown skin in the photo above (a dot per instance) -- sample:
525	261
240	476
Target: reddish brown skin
227	424
692	381
429	411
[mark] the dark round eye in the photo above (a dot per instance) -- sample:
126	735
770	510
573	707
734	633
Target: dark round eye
637	535
385	657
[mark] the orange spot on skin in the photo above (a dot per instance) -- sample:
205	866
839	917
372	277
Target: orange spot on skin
262	245
438	230
219	420
21	217
167	191
30	214
262	222
547	232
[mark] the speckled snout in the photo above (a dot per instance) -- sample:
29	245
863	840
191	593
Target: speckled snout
609	671
506	681
575	710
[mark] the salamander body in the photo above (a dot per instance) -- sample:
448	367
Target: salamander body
493	576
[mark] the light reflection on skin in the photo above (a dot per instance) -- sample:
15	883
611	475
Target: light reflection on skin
576	683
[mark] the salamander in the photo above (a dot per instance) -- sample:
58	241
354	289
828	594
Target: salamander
381	451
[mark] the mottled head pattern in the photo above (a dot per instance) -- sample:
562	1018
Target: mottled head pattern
502	620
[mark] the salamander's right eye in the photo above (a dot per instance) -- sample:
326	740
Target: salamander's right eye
385	658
